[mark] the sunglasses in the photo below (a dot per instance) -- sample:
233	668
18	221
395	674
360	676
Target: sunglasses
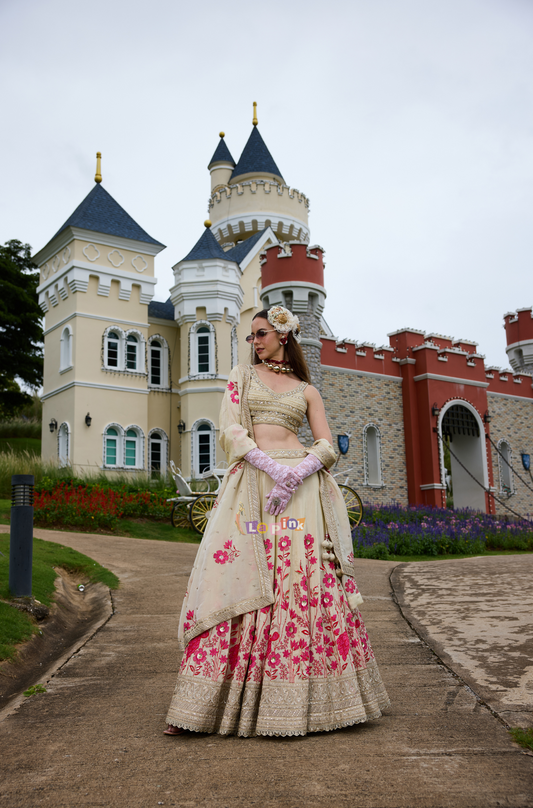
260	333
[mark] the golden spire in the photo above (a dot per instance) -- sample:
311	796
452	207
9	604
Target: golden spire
255	114
98	175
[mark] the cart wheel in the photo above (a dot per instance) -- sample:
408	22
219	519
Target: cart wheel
353	503
179	516
200	511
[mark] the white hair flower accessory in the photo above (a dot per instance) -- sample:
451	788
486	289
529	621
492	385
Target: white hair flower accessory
284	321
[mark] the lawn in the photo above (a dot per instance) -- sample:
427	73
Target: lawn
17	626
19	445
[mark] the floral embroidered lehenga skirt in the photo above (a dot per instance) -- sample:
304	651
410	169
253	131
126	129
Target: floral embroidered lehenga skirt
303	664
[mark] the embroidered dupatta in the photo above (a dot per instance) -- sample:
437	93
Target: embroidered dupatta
230	575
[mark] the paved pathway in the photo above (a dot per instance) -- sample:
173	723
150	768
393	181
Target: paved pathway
95	738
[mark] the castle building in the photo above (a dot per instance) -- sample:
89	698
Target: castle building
131	383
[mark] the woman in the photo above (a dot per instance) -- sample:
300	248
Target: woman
274	642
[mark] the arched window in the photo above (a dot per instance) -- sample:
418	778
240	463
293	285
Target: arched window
133	448
114	348
63	444
158	361
65	350
204	360
372	456
202	363
157	451
505	462
203	446
113	446
132	352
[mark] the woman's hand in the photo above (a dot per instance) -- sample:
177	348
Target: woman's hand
278	499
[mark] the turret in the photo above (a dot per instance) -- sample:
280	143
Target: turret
252	195
292	275
519	334
221	165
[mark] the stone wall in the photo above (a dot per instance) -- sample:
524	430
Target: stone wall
351	402
511	421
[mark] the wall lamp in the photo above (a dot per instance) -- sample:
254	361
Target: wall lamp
487	417
88	419
435	410
52	425
181	427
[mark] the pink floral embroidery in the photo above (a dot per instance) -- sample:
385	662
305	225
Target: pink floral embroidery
228	555
309	630
234	392
343	644
327	599
350	586
237	468
351	557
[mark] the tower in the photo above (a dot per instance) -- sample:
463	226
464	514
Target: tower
519	335
251	195
96	281
292	275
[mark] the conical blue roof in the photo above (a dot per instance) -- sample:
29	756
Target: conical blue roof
256	158
222	154
240	251
206	247
100	212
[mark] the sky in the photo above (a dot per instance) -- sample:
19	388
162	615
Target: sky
408	124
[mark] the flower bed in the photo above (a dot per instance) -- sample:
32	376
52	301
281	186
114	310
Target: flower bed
95	507
395	530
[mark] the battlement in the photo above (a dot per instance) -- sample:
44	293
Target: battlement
238	210
292	262
518	325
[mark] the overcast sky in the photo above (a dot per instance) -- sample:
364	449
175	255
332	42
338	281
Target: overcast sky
408	123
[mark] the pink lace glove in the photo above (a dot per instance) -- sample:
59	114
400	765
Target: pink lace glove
263	462
278	499
307	467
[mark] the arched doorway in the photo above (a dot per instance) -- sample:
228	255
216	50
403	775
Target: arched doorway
462	428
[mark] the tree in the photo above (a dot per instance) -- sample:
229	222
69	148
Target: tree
21	331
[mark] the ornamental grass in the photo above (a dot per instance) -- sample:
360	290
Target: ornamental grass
421	531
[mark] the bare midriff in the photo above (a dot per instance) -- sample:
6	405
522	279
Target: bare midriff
270	437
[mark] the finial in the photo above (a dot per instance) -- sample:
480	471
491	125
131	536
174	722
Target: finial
207	223
221	134
255	114
98	175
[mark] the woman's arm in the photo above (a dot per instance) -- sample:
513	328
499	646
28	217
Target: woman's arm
316	415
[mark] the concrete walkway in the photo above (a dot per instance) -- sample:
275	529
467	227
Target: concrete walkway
95	738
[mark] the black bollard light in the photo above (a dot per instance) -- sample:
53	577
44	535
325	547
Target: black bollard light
21	535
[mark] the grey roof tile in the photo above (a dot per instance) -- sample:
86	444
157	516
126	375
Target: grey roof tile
101	213
206	247
163	311
222	154
256	157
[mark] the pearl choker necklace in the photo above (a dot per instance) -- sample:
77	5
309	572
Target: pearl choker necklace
277	366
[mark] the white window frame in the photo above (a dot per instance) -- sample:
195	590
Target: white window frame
140	370
120	348
65	350
63	433
120	446
195	449
504	470
165	355
193	351
379	460
139	447
164	450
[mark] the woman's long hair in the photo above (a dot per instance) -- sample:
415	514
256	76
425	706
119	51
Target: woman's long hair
293	353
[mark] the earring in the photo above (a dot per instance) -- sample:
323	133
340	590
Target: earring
283	341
